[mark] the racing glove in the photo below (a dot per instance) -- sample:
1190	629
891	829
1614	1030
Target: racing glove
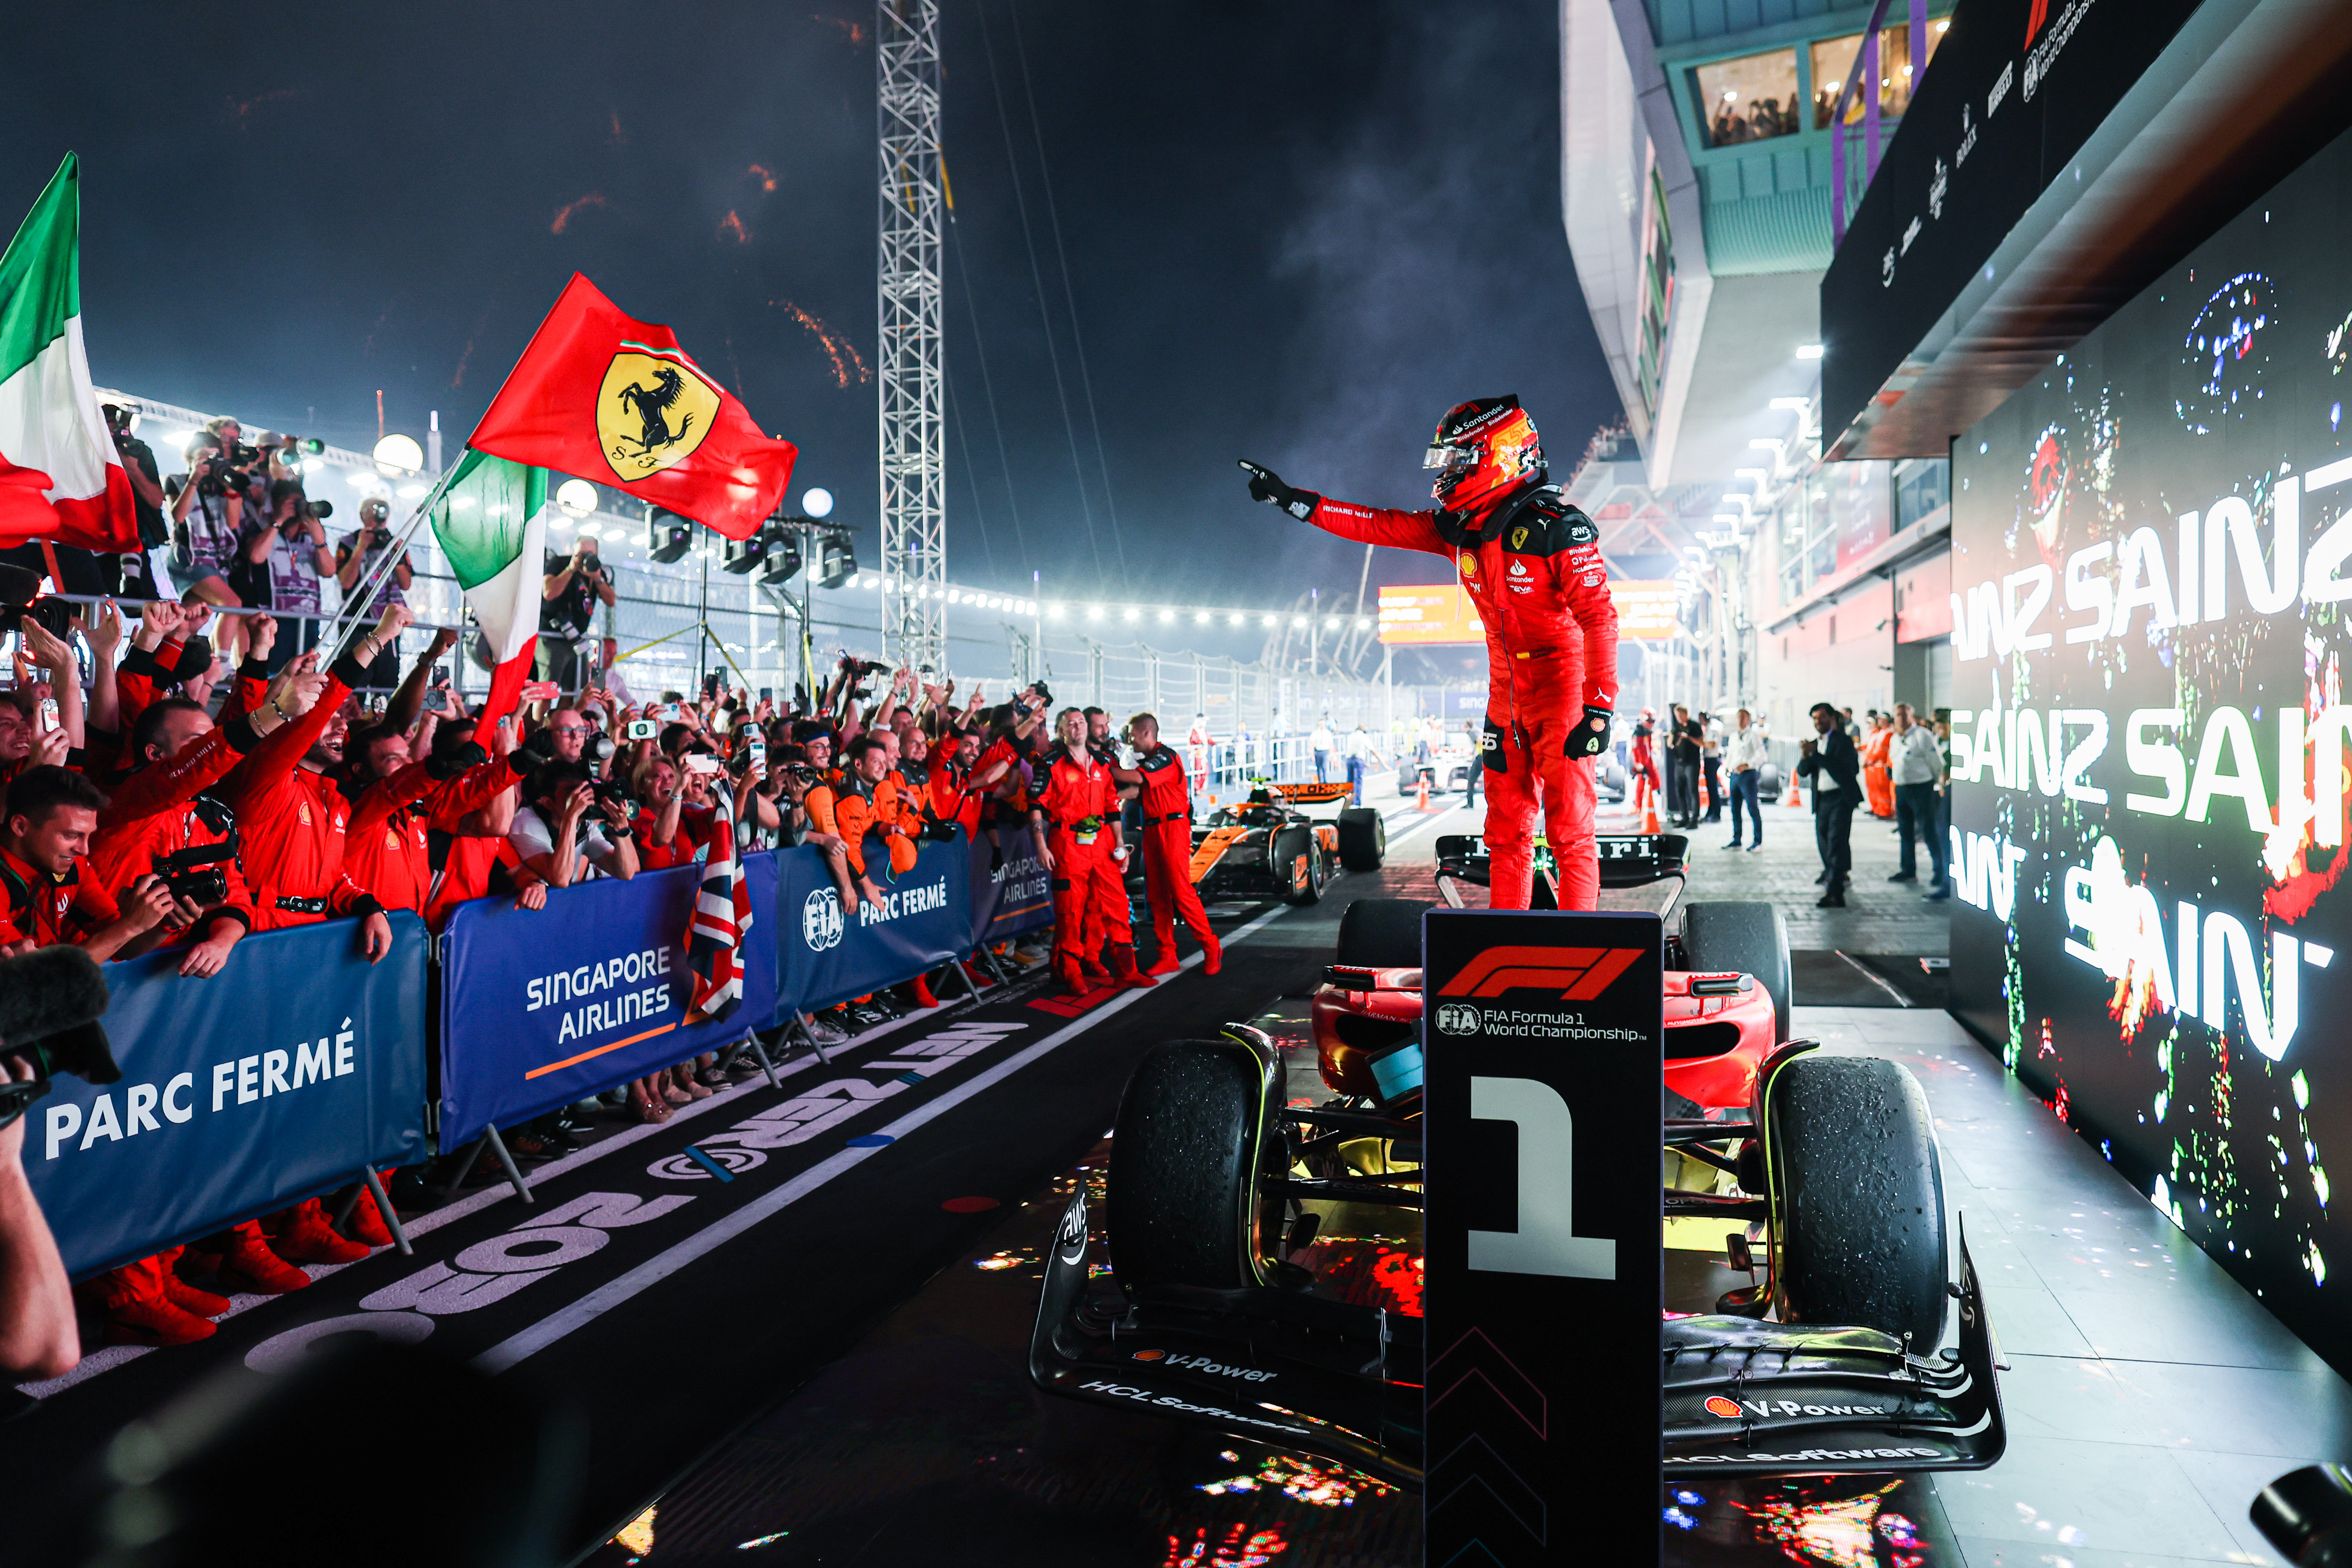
1591	736
1265	485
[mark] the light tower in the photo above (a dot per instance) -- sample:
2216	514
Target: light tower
912	376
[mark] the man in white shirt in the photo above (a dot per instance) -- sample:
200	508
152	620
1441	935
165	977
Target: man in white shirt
566	835
1360	753
1916	761
1319	742
1743	759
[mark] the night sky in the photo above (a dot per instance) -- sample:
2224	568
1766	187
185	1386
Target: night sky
1295	232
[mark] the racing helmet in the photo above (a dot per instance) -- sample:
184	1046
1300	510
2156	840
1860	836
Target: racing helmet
1483	450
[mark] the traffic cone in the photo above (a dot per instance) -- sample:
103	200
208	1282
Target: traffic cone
1423	787
1650	815
1794	798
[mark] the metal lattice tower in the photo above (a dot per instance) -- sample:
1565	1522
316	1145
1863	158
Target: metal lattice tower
912	375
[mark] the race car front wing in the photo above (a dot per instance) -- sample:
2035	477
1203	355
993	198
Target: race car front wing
1344	1381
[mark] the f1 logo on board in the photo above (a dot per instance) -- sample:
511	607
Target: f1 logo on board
1579	974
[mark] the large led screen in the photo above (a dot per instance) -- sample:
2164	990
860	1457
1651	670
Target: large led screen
2151	575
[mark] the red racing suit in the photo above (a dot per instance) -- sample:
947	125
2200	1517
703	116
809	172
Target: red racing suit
1167	806
294	821
1534	570
1089	895
153	815
386	851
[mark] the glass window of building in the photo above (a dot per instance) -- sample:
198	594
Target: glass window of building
1751	99
1833	62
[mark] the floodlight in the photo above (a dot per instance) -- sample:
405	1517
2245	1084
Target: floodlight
669	536
397	454
576	497
836	563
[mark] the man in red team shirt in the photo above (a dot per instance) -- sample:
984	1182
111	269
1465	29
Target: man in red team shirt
1076	812
45	836
1167	805
1531	563
293	817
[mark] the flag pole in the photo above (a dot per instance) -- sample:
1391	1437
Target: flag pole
363	594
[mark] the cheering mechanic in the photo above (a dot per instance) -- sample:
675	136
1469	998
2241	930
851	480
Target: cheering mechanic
1531	563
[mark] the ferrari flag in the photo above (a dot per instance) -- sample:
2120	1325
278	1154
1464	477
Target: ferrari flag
59	476
617	402
491	522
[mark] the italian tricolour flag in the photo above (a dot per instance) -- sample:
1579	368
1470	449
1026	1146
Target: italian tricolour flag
491	521
59	476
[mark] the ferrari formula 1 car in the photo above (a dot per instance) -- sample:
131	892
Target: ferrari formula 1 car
1866	1347
1269	847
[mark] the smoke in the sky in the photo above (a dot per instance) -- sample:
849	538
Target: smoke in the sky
1434	262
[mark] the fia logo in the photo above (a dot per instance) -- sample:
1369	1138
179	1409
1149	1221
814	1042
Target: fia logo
821	921
1457	1018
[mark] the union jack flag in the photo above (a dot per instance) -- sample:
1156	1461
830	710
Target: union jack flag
722	913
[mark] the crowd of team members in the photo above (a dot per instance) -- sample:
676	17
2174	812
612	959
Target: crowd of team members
162	800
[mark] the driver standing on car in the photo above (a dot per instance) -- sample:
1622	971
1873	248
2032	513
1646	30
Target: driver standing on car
1531	563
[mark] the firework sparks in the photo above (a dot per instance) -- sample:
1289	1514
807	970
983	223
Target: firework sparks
853	31
619	137
846	361
731	225
563	213
767	180
243	108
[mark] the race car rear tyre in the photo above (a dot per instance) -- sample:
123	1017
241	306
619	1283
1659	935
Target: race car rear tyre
1857	1198
1308	889
1748	939
1381	933
1196	1129
1363	838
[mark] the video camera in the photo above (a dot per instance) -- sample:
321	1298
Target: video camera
196	873
21	600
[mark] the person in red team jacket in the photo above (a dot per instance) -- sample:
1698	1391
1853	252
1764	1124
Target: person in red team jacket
1531	563
1075	813
1167	805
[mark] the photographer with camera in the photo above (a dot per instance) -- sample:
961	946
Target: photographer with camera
131	572
208	508
572	831
45	837
356	559
575	584
283	559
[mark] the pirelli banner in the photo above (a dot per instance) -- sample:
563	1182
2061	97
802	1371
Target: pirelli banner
2152	610
297	1067
542	1008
